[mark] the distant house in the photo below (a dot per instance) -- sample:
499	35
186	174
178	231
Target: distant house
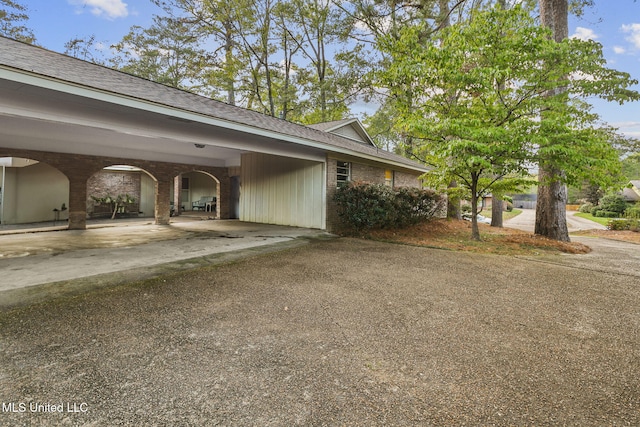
70	129
632	193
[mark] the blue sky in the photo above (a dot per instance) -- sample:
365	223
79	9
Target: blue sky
614	23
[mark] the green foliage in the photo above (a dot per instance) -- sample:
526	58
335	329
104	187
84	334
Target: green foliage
612	203
292	59
371	206
633	212
116	202
624	224
12	18
631	167
601	213
586	208
166	53
478	95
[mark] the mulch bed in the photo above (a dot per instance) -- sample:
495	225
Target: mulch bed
456	235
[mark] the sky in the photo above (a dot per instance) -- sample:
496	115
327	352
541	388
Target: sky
613	23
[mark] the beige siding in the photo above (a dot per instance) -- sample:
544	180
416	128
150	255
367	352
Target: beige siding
349	132
283	191
31	193
147	195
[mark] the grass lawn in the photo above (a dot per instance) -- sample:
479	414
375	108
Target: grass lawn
603	221
505	215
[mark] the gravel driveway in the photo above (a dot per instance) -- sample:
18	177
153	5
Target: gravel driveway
339	332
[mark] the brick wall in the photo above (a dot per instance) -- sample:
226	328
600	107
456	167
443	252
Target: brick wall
113	183
367	173
403	179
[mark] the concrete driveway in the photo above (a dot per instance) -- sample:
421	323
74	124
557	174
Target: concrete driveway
526	221
336	332
37	266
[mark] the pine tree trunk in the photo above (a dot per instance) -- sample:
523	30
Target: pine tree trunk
497	206
551	218
551	208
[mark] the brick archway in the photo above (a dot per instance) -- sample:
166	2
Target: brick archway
78	168
223	188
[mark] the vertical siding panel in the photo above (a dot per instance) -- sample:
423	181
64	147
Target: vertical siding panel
302	207
317	200
287	200
279	190
244	179
309	192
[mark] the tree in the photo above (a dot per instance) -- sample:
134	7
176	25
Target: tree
631	167
84	48
13	15
215	22
318	27
480	92
563	120
166	53
552	192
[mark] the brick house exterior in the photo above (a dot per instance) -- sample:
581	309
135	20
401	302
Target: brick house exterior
81	118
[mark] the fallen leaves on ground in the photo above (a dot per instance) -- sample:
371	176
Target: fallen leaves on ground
624	235
456	235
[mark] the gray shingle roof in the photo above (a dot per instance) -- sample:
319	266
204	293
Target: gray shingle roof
33	59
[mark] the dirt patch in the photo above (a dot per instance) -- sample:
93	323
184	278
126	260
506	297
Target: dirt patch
456	235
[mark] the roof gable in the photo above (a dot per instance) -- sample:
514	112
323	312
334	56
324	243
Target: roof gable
348	128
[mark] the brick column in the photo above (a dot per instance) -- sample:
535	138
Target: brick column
78	203
224	193
162	211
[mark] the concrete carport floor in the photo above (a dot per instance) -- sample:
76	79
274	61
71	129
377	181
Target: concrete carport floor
37	266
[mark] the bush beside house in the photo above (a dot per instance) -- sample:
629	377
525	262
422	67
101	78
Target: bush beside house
373	206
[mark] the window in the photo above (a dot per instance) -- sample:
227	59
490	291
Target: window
388	178
343	173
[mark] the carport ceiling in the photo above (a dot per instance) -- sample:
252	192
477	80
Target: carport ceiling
41	119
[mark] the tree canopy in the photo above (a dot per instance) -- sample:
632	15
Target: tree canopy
479	92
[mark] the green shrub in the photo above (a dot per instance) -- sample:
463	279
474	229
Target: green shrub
632	213
586	208
600	213
613	203
370	206
624	224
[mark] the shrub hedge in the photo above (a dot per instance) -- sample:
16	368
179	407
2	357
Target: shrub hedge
624	224
369	206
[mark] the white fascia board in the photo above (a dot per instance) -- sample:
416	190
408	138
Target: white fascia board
50	83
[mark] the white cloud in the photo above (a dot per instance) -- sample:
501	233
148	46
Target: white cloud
634	34
630	129
584	34
109	9
619	50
